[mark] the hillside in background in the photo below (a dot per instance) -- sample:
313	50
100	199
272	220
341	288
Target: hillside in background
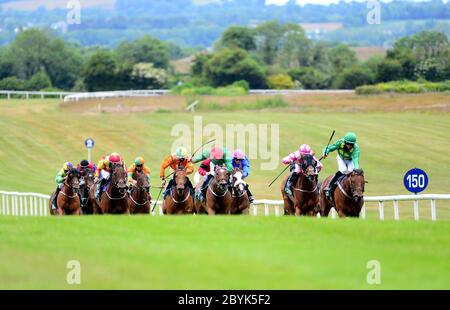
107	22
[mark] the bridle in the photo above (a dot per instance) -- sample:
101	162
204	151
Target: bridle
304	167
215	179
352	189
71	187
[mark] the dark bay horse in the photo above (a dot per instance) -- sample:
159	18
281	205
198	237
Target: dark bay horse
241	203
348	196
68	200
305	192
86	183
114	200
139	199
218	197
179	200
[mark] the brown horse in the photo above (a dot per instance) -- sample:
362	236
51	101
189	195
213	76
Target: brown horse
68	200
86	183
241	203
114	200
347	198
139	199
199	206
179	200
218	197
306	190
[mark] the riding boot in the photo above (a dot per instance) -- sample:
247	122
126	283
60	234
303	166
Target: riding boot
167	189
329	189
290	181
249	194
202	197
58	189
99	189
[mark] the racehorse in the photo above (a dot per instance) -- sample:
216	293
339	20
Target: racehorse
218	197
68	200
86	182
305	200
139	199
241	203
349	199
114	200
179	200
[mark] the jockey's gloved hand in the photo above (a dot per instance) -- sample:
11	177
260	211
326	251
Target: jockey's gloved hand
163	182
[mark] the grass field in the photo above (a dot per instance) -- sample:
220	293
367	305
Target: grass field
222	253
396	133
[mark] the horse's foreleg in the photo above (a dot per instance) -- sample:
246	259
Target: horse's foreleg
211	211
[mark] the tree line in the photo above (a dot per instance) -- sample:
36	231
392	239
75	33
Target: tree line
272	55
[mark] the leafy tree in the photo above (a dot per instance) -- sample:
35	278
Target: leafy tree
353	77
100	72
146	76
389	70
38	50
145	49
268	37
231	65
238	37
38	82
12	83
280	81
310	78
342	57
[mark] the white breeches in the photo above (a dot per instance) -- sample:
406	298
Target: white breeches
345	166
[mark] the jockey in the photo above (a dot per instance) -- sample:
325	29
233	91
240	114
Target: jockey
179	160
295	159
347	158
218	157
241	161
83	165
103	164
138	166
105	171
59	179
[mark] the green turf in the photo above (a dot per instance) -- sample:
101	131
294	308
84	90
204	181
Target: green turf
38	136
222	253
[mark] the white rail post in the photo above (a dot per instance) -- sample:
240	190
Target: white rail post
277	210
416	209
381	210
25	205
21	204
46	202
160	209
266	209
396	216
255	210
2	209
433	210
7	204
41	211
16	206
9	95
35	206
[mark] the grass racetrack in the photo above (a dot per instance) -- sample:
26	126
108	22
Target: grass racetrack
396	133
222	253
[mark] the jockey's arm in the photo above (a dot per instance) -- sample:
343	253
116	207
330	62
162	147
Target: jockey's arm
166	163
189	168
200	157
355	157
245	168
60	176
332	147
228	164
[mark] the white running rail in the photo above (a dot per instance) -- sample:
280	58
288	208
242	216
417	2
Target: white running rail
31	204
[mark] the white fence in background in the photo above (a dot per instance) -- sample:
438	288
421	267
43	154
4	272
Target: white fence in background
31	204
28	94
73	97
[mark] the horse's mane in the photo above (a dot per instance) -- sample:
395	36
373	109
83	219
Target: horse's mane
358	172
73	173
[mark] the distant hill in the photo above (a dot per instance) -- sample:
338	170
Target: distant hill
185	22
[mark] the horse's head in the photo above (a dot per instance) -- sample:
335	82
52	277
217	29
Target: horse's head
357	183
221	176
180	178
142	182
73	179
87	178
238	181
119	178
309	167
